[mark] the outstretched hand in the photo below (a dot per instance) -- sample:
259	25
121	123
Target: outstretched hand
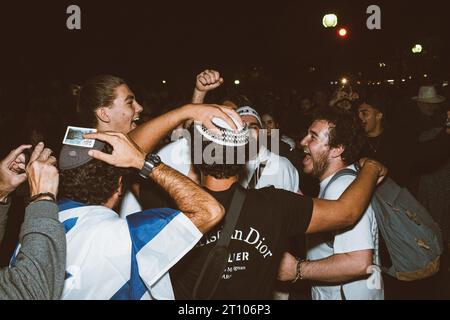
204	113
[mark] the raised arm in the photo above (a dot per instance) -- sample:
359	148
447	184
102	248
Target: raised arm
148	135
4	207
198	205
337	214
39	268
11	176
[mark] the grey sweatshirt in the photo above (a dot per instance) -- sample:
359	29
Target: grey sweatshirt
39	270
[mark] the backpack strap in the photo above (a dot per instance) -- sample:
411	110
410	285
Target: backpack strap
340	173
232	216
257	175
328	236
216	261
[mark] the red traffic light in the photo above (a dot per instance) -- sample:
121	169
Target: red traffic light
342	32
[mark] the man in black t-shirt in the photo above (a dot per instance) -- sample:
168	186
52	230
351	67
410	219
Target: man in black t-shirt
269	217
397	146
383	144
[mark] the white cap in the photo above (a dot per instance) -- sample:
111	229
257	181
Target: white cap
227	136
249	111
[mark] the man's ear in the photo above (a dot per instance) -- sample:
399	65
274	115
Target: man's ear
379	116
102	114
337	152
120	187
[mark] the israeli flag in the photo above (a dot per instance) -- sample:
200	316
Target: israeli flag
123	259
129	205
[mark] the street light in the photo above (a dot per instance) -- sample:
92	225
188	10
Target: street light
417	48
237	82
343	33
330	20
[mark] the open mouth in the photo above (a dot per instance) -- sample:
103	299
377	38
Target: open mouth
307	156
135	122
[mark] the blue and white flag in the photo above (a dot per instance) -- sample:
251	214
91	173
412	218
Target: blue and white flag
129	205
122	259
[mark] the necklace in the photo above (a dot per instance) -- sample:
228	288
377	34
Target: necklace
376	145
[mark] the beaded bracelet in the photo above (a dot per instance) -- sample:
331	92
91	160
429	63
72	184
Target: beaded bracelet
298	273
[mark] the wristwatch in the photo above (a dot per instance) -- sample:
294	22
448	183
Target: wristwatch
151	162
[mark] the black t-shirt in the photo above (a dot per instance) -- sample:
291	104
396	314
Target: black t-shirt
269	217
394	151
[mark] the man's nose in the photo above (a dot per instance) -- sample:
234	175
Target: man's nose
304	141
138	108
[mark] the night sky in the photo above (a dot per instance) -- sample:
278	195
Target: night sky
176	39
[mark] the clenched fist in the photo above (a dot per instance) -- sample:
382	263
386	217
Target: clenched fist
208	80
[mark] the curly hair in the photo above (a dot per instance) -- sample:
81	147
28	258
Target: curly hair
92	183
345	130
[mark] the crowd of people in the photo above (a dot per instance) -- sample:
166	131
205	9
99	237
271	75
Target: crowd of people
89	227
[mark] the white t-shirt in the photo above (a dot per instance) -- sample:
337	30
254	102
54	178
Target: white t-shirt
278	172
362	236
177	155
129	205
